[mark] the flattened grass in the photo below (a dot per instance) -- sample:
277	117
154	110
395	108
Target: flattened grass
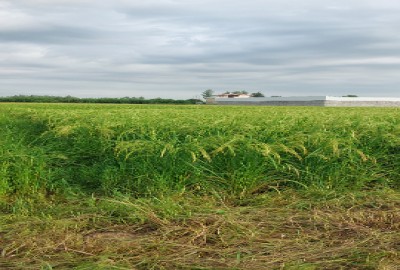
269	231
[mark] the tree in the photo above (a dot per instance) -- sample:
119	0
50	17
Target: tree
207	93
241	92
258	94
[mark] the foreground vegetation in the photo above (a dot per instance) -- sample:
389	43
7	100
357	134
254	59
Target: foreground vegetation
198	187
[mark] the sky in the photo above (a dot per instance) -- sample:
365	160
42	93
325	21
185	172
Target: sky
179	48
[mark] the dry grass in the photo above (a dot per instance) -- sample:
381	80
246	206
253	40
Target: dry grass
280	231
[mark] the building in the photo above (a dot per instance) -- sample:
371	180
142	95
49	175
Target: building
233	95
324	101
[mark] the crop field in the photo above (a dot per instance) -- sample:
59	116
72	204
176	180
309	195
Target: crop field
198	187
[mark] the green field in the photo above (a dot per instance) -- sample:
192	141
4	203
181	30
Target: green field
198	187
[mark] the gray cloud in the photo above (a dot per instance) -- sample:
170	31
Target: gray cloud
176	48
49	35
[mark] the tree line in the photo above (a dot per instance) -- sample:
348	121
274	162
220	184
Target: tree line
70	99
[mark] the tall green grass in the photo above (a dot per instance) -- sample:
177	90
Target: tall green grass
143	150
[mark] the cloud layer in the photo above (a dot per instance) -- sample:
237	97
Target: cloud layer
179	48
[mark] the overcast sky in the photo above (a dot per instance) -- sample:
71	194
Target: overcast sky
179	48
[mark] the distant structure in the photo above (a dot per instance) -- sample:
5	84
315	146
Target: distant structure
324	101
233	95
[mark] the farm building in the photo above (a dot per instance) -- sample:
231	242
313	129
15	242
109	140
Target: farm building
325	101
233	95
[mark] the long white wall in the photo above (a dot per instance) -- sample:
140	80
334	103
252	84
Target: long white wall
388	99
327	101
310	98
